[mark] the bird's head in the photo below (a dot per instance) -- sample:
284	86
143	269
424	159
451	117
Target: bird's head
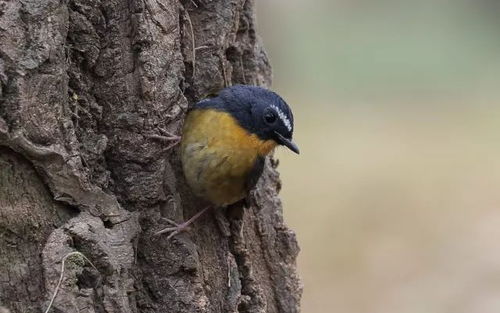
257	110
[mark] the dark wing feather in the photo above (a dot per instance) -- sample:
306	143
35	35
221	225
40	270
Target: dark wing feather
255	173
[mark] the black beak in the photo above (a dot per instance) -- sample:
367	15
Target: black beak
287	143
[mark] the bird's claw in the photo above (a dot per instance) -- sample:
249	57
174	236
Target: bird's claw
177	228
167	137
174	230
169	221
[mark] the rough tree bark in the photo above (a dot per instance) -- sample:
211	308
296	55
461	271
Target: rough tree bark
85	86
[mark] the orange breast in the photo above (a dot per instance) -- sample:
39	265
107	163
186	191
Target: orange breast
218	155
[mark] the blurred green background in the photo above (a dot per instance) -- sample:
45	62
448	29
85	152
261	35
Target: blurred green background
395	195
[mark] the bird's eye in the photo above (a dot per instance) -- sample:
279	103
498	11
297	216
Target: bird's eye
270	117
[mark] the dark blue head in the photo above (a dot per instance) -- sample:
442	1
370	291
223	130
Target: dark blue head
258	110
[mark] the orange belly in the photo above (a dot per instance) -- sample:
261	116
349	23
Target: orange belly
218	156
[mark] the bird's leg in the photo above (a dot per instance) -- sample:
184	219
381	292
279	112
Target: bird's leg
166	136
177	228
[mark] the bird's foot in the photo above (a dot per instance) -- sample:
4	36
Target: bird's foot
177	228
174	229
167	137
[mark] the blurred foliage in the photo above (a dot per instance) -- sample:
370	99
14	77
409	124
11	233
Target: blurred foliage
395	194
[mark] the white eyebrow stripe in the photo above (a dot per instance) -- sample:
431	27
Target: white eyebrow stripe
282	117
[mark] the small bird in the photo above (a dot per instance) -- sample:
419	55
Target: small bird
225	141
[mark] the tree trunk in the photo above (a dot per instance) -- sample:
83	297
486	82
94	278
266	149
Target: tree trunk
86	85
